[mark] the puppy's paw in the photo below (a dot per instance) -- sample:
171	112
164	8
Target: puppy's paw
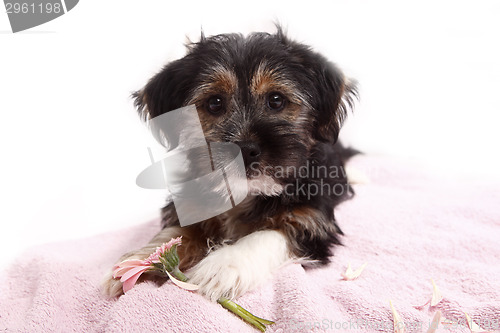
111	287
232	270
223	273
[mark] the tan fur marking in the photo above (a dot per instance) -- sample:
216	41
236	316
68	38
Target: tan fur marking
267	80
220	81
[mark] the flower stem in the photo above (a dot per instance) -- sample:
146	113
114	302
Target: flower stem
170	263
178	274
259	323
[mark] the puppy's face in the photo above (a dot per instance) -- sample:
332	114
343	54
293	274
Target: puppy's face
273	97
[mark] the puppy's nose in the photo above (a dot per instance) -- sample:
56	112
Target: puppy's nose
250	151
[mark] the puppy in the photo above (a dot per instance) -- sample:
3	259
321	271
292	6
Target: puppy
284	105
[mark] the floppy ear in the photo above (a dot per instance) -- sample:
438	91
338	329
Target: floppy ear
332	94
165	91
334	97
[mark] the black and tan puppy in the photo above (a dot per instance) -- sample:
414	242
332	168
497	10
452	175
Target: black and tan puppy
283	104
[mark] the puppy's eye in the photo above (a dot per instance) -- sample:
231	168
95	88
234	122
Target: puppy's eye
276	101
215	105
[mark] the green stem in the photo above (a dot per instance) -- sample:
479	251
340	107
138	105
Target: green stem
178	274
172	262
259	323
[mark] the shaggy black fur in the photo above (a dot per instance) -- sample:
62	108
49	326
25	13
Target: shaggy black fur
319	95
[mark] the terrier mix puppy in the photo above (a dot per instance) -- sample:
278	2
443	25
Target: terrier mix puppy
283	104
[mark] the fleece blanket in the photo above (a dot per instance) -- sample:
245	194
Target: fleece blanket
407	224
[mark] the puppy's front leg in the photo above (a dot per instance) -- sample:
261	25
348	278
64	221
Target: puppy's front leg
113	287
234	269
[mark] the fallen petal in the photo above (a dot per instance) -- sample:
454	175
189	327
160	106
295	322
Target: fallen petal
184	285
350	274
399	325
435	322
436	294
435	298
358	272
472	325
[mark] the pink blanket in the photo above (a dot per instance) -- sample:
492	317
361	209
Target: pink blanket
407	224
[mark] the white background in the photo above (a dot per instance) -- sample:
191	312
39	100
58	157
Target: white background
72	144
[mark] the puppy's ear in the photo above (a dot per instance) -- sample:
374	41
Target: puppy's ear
335	95
332	94
165	91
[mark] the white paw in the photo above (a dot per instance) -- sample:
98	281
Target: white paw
220	275
232	270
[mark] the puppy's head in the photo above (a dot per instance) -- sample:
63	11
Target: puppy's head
273	97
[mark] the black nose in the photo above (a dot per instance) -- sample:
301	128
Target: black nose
250	150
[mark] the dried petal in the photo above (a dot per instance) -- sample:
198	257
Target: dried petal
435	322
399	325
436	294
472	325
350	274
435	298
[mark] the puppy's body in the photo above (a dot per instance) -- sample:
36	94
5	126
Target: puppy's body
283	105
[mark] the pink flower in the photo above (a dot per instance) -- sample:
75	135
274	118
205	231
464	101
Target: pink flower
160	250
129	271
